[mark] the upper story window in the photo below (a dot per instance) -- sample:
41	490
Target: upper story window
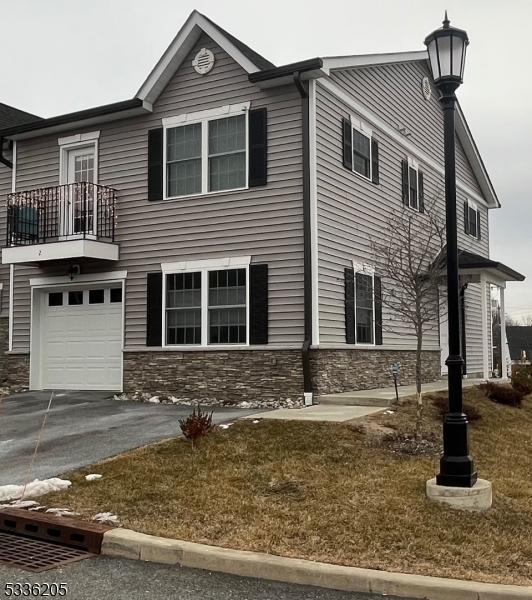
412	185
360	149
472	219
206	152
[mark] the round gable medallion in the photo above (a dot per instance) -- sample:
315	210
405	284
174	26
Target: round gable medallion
425	88
203	61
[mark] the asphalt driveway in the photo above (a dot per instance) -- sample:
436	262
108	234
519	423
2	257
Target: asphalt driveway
82	428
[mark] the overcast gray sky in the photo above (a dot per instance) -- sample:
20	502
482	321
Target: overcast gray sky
64	55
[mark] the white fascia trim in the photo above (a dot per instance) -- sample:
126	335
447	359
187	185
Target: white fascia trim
368	60
178	50
205	115
233	262
78	138
410	148
314	239
85	278
471	151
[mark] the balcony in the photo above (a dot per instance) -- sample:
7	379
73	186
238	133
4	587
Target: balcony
64	222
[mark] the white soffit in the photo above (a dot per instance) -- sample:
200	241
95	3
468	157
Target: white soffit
370	60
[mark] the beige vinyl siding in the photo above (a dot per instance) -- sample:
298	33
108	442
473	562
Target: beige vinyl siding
264	222
352	211
473	319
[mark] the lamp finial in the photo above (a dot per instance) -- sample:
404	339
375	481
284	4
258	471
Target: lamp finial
446	21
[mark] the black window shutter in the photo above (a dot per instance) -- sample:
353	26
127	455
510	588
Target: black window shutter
374	161
421	192
377	290
155	164
466	217
405	188
258	304
347	144
154	309
349	280
258	147
478	225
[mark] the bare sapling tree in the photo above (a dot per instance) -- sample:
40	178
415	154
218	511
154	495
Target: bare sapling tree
408	254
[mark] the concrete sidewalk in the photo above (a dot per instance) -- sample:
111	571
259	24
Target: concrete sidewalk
385	396
319	412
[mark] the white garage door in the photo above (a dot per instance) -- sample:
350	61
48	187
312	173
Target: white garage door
81	338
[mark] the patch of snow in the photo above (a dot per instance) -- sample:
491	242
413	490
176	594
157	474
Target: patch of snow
154	400
37	508
389	412
106	517
225	425
255	421
93	476
34	489
244	404
24	503
62	512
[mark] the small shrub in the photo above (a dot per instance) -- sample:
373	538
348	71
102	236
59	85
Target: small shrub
522	380
441	403
502	394
198	424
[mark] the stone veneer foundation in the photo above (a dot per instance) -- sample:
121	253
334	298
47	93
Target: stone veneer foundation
18	371
335	371
4	345
225	376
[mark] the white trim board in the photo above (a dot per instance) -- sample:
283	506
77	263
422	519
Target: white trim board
233	262
410	148
68	249
201	115
370	60
314	238
85	278
79	138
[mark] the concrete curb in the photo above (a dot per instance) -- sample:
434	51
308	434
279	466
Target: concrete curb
130	544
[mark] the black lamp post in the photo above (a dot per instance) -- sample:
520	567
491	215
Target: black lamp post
447	50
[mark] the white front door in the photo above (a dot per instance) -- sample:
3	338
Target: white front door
81	338
79	217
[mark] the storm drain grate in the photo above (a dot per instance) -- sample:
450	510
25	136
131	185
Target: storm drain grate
36	555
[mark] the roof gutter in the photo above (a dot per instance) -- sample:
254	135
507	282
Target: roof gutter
302	88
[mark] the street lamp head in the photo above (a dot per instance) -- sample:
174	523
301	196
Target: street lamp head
447	50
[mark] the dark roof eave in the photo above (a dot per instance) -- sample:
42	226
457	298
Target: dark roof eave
81	115
311	64
491	264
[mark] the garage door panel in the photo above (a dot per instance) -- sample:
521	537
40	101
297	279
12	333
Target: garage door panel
81	345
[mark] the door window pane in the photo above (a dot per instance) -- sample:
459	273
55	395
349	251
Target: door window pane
116	294
361	153
183	160
227	153
55	299
96	296
75	298
364	308
183	308
227	306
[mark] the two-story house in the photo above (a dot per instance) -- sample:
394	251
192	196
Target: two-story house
206	237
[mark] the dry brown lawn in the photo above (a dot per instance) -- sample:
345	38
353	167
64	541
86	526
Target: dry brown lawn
329	492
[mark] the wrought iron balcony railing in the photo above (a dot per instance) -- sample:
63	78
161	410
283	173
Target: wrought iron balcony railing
81	210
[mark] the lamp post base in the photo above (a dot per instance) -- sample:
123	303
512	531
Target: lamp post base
476	498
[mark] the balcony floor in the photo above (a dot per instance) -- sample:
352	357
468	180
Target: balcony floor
63	250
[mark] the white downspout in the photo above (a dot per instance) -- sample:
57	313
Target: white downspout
12	266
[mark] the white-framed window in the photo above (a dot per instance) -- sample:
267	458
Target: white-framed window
472	219
364	297
413	184
206	152
206	303
362	148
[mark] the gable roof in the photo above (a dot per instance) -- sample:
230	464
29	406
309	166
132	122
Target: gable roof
519	338
182	44
11	116
475	262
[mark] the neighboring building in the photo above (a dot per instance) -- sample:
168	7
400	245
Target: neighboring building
519	343
210	237
9	117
